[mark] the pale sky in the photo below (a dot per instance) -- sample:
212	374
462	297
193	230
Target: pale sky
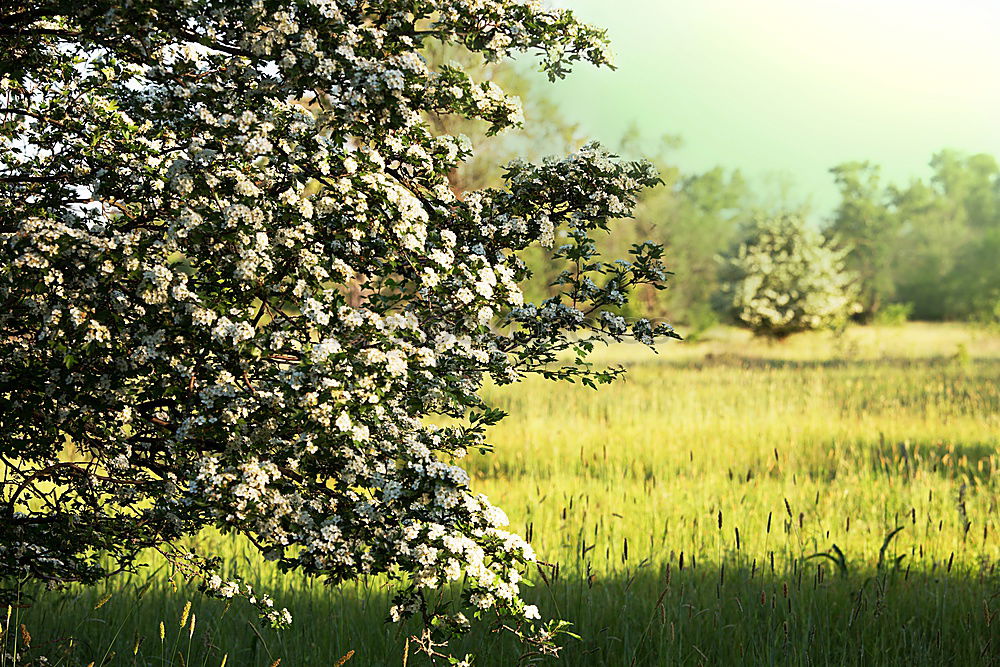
786	89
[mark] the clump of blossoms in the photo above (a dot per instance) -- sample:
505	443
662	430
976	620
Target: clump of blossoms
236	282
785	277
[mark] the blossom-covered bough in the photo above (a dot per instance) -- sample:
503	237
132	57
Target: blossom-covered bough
235	285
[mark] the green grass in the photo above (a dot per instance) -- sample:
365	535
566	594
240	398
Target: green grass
637	492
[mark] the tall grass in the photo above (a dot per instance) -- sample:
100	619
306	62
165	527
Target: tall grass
831	500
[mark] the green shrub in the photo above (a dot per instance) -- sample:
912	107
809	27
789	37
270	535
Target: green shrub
894	314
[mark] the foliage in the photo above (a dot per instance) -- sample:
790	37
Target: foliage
974	283
785	277
238	282
893	314
545	130
695	217
928	243
864	219
712	205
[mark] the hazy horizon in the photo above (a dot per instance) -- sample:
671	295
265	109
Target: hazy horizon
784	90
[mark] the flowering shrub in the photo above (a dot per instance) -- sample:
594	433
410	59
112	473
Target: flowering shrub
785	278
236	282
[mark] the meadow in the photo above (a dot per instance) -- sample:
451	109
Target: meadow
826	500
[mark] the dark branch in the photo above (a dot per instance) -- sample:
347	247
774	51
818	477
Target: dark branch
35	179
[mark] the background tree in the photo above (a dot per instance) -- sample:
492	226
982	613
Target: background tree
713	205
974	290
939	221
932	231
785	278
922	244
865	221
238	282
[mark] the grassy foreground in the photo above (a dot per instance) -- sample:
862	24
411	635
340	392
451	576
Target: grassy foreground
827	500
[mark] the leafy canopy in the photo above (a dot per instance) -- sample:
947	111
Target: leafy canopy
236	283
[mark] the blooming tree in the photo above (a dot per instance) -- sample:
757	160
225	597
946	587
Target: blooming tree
236	283
785	277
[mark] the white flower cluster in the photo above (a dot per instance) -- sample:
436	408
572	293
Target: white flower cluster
239	281
786	278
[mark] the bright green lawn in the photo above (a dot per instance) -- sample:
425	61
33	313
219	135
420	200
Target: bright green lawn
826	440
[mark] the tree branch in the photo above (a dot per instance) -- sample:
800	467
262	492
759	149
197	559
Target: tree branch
54	178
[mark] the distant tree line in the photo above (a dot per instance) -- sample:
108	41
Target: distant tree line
933	244
927	250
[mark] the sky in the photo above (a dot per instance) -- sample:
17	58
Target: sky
786	89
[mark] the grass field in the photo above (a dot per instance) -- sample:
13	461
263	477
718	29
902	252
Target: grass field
692	510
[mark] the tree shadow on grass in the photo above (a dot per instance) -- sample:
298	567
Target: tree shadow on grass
176	625
969	462
817	616
966	463
815	613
